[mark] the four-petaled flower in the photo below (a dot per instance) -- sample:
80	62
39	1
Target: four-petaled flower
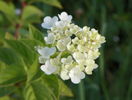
65	17
46	52
49	22
76	75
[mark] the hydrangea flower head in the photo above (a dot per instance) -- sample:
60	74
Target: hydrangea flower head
70	50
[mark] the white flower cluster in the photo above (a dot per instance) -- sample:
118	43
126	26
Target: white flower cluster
70	50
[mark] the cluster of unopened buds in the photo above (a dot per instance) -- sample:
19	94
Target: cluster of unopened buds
70	50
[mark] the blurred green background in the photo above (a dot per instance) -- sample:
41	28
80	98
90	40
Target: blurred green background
20	31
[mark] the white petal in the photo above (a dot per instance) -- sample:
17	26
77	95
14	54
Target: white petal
76	75
96	66
52	50
67	60
79	57
47	19
50	39
66	40
65	17
48	68
82	75
49	22
64	75
60	24
88	70
54	19
44	69
46	52
61	46
75	80
46	26
63	60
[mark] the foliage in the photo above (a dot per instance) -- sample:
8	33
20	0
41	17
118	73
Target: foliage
20	75
20	32
19	69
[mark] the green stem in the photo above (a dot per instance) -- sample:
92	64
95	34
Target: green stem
101	59
81	91
129	91
102	78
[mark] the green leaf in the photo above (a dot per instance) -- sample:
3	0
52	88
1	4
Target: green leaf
31	14
11	67
5	98
55	3
32	43
49	80
35	34
38	90
11	74
7	90
47	87
64	90
33	72
23	50
8	10
2	34
8	56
